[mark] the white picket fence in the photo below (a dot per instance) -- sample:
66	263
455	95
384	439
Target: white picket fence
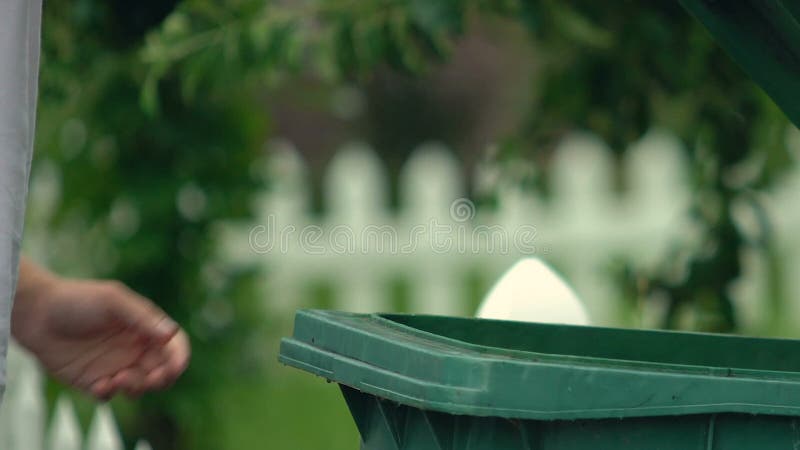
435	242
359	244
23	415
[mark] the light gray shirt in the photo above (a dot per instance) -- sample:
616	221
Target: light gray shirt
20	25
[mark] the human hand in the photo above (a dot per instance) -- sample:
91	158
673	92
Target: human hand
98	336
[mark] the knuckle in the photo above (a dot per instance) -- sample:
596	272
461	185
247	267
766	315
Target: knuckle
114	290
112	287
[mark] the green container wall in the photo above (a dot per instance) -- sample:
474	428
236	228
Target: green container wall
386	425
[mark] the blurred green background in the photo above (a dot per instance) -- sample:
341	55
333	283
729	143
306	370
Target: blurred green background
155	116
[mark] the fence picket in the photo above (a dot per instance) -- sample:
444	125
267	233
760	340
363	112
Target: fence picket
103	433
143	445
27	409
64	432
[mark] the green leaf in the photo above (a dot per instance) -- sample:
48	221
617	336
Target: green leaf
763	36
148	99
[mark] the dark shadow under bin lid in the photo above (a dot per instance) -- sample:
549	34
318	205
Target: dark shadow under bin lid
762	36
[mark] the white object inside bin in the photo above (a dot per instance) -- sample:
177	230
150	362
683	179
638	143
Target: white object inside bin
531	291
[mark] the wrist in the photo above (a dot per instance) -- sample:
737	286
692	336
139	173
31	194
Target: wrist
33	288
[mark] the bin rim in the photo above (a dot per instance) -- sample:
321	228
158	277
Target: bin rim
383	355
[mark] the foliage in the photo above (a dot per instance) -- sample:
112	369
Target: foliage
615	71
621	74
145	192
224	43
154	117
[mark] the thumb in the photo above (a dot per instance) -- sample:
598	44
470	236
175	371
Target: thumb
141	314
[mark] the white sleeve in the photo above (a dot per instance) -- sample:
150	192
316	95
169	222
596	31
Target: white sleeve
20	25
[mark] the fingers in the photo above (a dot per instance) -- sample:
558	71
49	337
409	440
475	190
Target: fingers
102	389
140	314
157	368
152	358
132	381
158	379
179	352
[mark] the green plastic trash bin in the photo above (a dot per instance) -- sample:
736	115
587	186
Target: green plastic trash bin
423	382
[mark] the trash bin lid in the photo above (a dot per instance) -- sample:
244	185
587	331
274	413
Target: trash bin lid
543	371
763	36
